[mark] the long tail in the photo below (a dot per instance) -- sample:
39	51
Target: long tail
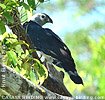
75	77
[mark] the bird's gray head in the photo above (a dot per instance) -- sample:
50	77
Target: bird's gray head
41	19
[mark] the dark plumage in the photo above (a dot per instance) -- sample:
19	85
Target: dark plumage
49	43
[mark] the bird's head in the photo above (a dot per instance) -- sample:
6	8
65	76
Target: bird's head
41	19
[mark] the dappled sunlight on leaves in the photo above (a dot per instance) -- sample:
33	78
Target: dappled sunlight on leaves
21	61
92	69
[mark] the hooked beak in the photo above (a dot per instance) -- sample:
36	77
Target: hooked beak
49	20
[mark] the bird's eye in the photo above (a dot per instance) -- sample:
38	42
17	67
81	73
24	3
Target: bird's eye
43	16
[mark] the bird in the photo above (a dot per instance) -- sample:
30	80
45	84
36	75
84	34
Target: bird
51	45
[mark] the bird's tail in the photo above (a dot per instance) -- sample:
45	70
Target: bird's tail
75	77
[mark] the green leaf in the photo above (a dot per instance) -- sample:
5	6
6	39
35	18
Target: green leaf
8	17
12	4
2	27
17	69
14	44
32	50
3	6
31	3
41	71
25	70
13	58
6	1
41	1
33	77
25	6
9	35
3	92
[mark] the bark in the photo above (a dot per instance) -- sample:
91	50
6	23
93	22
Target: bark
21	88
54	82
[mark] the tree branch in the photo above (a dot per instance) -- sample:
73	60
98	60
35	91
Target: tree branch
17	85
54	82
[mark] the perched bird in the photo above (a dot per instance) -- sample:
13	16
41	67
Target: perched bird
51	45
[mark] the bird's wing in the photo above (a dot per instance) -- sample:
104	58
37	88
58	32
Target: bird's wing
49	43
59	39
52	33
66	60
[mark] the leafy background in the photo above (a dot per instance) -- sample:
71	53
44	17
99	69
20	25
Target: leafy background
81	25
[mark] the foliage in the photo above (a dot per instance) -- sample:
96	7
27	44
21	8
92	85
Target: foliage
98	61
8	6
11	52
88	51
22	62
